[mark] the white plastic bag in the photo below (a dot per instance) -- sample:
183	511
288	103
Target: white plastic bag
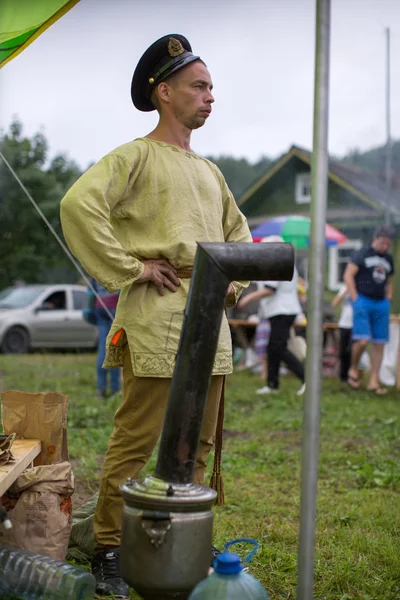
297	345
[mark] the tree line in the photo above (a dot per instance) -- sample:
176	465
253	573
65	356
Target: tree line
28	249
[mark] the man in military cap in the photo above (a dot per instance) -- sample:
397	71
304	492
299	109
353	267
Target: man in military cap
133	220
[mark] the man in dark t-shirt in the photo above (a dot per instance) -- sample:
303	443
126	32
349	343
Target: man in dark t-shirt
368	277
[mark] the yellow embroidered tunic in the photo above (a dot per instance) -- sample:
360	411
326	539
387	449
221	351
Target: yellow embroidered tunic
148	199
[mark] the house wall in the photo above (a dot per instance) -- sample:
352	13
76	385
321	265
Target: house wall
363	232
277	197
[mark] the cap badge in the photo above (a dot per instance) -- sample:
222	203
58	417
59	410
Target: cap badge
175	48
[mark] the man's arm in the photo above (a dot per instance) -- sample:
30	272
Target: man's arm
85	218
349	279
389	288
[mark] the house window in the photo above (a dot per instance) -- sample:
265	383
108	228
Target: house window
339	257
303	188
56	301
78	299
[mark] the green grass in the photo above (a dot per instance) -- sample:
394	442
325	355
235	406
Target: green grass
358	513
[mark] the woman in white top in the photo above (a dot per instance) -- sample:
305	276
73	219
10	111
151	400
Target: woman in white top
279	302
345	328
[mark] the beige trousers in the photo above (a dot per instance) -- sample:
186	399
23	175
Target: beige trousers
137	426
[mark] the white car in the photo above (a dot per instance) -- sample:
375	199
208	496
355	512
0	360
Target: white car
44	316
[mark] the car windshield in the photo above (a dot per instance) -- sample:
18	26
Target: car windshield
19	297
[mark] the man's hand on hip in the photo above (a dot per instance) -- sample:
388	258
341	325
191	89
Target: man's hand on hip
160	272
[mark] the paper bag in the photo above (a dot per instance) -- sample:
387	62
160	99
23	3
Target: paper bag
41	416
297	345
42	514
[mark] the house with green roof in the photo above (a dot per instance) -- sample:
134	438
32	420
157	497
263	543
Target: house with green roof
357	203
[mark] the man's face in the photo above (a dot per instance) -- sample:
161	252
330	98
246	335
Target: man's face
190	95
381	245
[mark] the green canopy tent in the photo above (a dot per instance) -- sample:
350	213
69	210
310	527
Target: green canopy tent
23	21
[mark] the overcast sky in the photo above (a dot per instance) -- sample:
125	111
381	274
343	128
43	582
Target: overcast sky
74	80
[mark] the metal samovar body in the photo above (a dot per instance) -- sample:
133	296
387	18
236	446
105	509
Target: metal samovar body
168	530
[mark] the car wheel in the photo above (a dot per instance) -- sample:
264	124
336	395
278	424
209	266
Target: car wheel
15	341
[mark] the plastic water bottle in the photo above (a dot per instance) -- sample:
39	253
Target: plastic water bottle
37	577
229	581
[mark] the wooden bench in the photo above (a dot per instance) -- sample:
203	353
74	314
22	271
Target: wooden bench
24	452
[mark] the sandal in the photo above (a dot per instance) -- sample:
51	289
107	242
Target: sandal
378	391
353	382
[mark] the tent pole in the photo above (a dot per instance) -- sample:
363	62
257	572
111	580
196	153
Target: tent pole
311	424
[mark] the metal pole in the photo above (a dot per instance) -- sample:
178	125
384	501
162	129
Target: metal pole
388	152
319	185
216	264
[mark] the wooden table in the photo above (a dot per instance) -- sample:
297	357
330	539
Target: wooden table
242	324
24	452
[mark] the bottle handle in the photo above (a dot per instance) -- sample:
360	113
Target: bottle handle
248	541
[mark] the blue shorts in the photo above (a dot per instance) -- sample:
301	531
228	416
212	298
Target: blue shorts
371	319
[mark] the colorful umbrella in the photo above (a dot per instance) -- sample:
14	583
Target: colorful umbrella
22	21
296	230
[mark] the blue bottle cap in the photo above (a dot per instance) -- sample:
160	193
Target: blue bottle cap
227	563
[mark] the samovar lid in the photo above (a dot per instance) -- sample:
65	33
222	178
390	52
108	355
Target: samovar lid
153	493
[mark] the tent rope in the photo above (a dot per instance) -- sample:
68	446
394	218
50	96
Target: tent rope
59	240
